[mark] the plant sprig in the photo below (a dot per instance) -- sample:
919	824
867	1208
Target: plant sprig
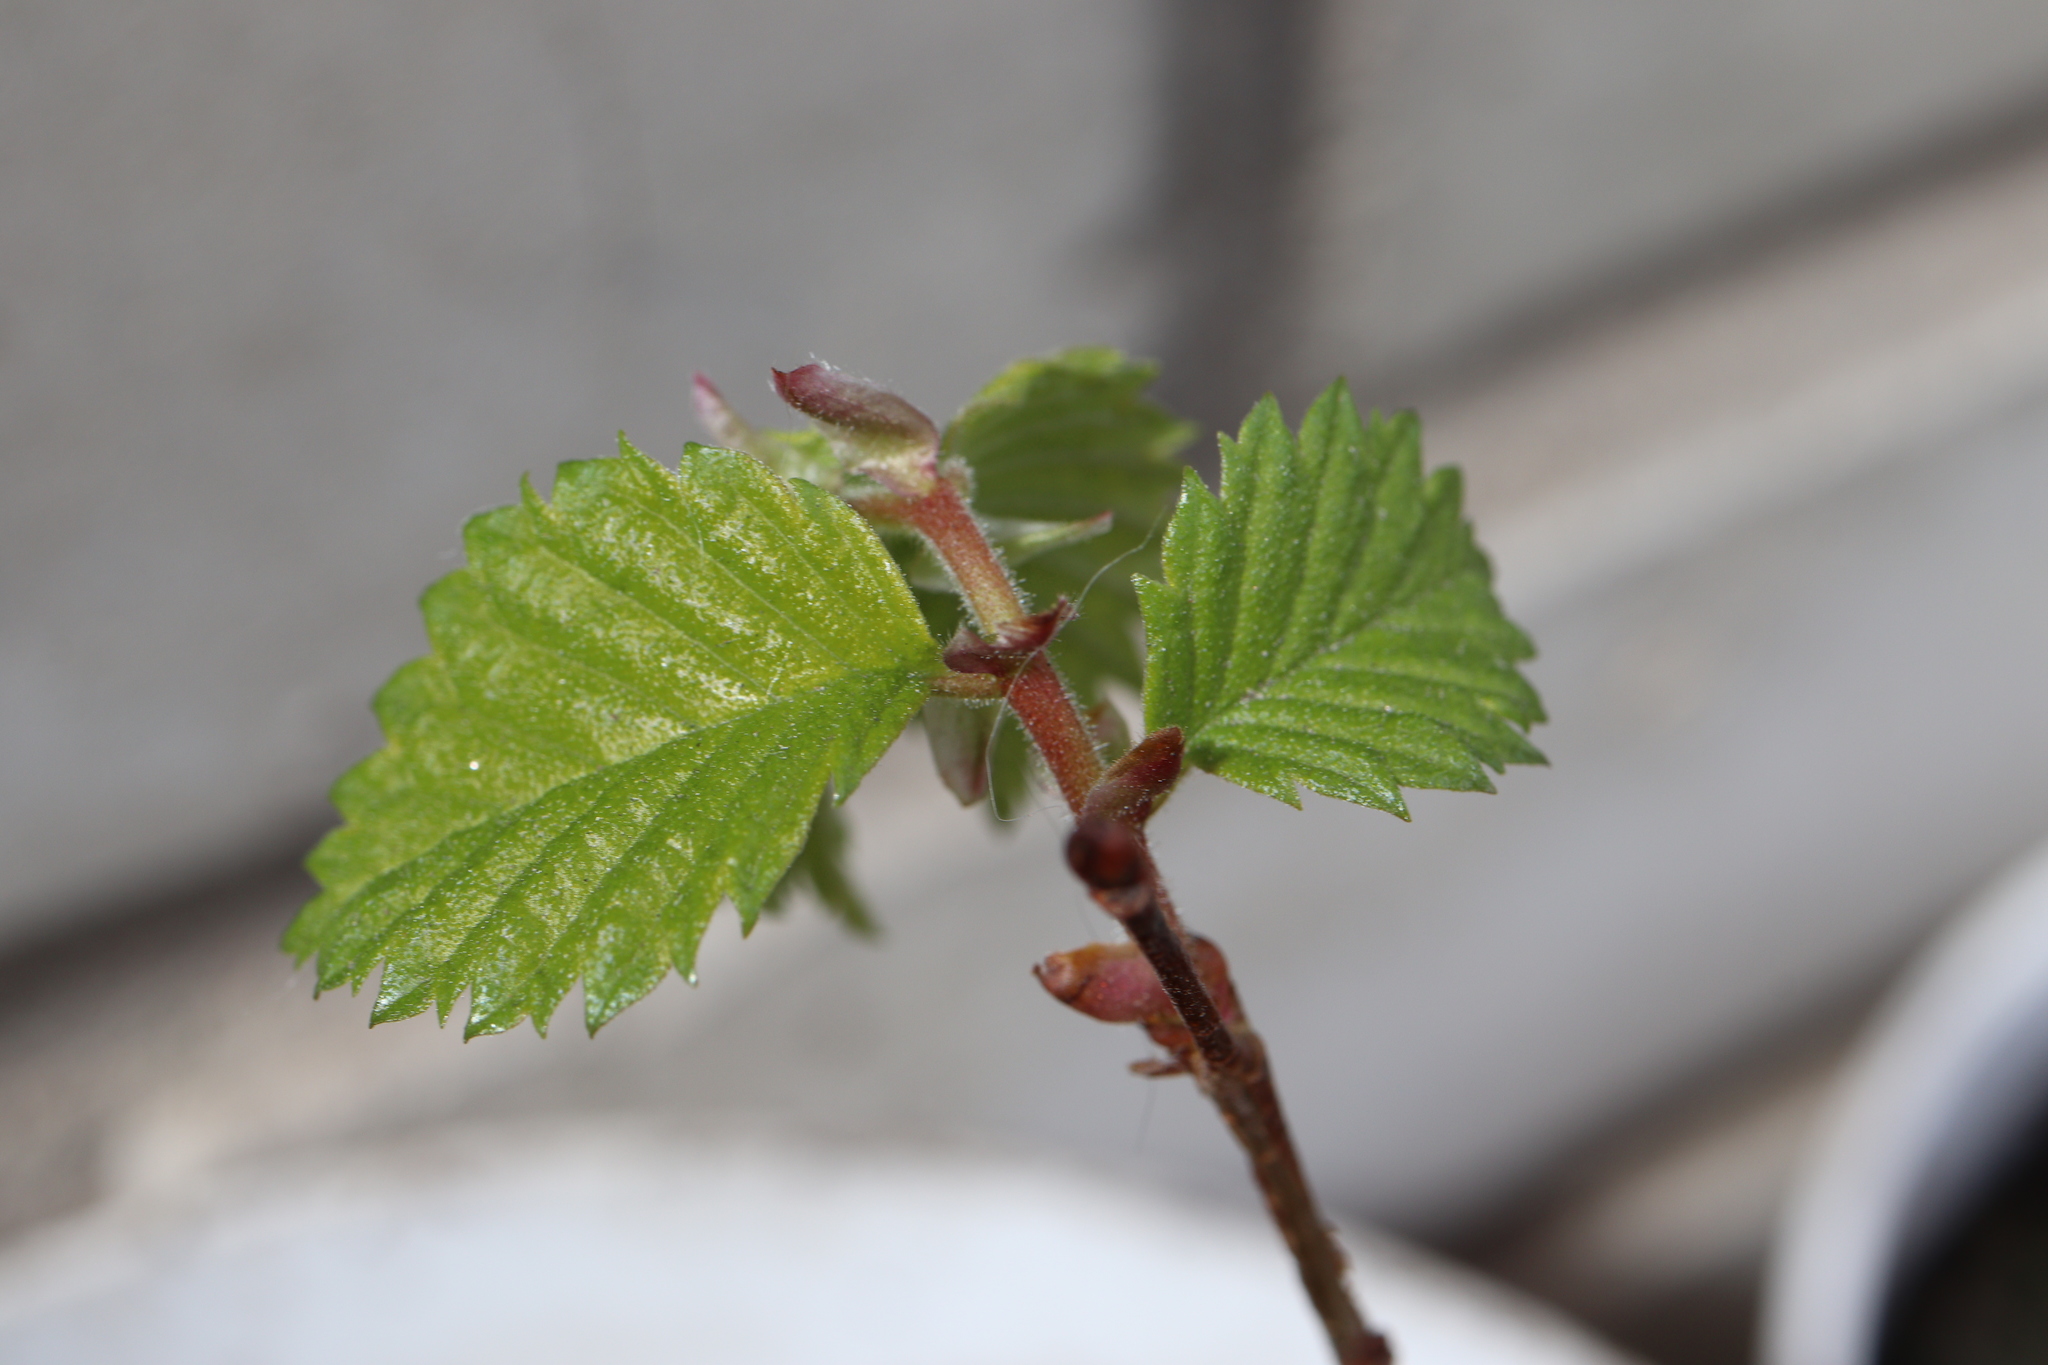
645	697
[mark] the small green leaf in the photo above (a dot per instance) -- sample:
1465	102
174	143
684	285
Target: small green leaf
1062	439
961	733
636	695
821	867
1327	621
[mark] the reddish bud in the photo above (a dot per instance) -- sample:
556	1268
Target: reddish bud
1114	983
1106	981
1136	783
1106	855
888	438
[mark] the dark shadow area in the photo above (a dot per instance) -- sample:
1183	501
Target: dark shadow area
99	988
1742	1119
118	935
1981	1297
1708	1322
1235	97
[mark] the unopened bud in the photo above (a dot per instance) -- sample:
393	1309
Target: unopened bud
1136	783
1107	981
886	436
1106	855
1114	983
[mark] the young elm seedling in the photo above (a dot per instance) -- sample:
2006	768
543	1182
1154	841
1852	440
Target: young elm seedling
649	693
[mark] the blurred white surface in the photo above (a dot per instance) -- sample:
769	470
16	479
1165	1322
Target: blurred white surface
1953	1069
537	1247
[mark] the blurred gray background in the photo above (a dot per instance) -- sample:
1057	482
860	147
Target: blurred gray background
1736	315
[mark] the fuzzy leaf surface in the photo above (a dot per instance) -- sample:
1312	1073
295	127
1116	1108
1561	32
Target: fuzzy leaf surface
636	695
1328	622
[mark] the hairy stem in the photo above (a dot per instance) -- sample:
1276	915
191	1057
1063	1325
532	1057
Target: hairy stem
942	517
1227	1057
1047	710
1056	726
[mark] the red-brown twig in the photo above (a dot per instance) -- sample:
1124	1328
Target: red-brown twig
1108	851
1229	1063
899	447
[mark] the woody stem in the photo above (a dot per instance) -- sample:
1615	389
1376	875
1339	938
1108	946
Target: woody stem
1230	1060
1229	1063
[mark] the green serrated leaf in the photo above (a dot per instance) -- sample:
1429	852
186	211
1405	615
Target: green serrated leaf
1328	622
636	696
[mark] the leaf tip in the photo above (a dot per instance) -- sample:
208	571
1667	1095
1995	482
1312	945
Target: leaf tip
717	416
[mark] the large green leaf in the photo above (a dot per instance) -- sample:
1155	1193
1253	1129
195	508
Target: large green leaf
1327	621
636	696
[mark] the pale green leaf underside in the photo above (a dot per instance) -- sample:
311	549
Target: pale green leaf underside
1327	621
820	868
637	694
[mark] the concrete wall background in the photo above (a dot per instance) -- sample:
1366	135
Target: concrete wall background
292	289
1482	171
